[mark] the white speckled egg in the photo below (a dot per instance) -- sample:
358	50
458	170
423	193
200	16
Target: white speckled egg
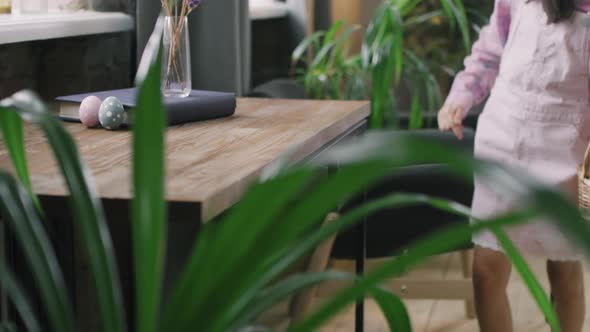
111	113
88	111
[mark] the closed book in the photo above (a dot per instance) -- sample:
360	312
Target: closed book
199	105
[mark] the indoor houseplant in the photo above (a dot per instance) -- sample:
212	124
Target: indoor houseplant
410	51
300	197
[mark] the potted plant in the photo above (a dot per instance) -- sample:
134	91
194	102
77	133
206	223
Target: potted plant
410	52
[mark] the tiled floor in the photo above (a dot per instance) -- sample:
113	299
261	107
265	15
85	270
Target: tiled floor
443	316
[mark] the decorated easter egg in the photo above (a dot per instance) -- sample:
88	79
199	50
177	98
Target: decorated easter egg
88	111
111	113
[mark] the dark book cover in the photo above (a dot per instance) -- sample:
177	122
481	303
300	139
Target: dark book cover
199	105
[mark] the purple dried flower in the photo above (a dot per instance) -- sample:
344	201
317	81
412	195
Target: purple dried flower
194	3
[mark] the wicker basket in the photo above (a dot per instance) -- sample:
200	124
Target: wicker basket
584	185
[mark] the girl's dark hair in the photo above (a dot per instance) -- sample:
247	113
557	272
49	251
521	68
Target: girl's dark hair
558	10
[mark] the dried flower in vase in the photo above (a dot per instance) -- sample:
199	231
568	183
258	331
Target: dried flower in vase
171	7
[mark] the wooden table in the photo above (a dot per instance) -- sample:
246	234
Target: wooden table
209	165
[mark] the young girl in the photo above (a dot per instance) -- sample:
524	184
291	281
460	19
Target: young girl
533	61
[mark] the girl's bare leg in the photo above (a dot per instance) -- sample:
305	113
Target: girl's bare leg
567	287
491	273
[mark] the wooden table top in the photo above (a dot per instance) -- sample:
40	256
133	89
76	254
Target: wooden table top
210	163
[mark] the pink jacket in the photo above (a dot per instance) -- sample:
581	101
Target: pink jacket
473	84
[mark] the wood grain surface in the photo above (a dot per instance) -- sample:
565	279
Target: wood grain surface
210	163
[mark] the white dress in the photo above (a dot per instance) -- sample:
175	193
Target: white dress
537	119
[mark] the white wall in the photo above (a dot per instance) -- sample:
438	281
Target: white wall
56	4
67	4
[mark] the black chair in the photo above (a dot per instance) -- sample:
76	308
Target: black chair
389	232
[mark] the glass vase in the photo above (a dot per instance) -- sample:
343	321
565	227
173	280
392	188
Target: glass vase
176	59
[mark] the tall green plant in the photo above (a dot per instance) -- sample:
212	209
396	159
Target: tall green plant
331	72
408	43
266	239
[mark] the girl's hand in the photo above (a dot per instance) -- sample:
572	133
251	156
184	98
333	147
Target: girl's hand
450	117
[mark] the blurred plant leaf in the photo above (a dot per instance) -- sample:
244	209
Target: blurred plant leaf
415	109
435	243
304	46
393	309
322	56
7	327
331	34
421	19
148	205
15	293
87	208
340	48
541	200
307	211
271	296
456	11
529	279
150	53
21	215
13	134
219	284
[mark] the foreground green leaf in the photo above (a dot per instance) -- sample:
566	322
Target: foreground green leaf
456	12
7	327
149	205
435	243
273	295
304	45
86	206
541	201
393	309
20	213
15	293
12	130
218	288
529	279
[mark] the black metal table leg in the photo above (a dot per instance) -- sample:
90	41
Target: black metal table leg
361	238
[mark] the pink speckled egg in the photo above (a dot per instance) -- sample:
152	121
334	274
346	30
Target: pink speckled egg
89	111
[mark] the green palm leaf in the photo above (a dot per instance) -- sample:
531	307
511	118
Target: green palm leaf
273	295
87	208
416	253
527	276
456	12
148	206
211	250
304	45
393	309
21	215
16	294
11	126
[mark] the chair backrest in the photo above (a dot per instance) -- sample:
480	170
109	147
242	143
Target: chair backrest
390	230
